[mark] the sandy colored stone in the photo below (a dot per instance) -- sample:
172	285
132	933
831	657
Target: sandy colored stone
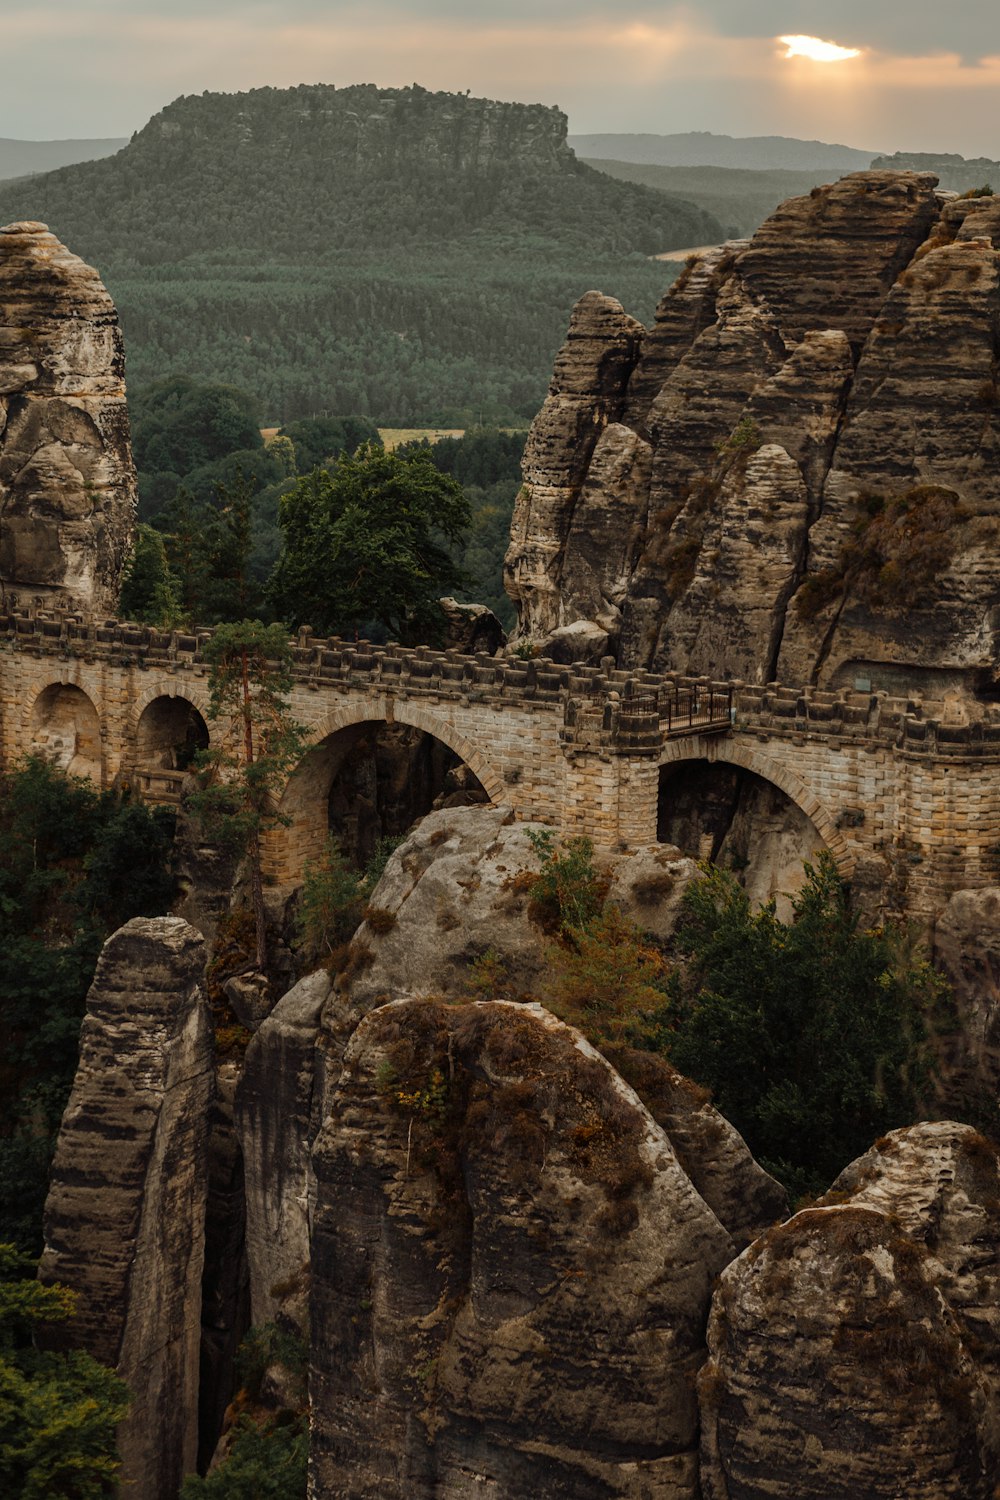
67	480
854	1348
511	1284
124	1220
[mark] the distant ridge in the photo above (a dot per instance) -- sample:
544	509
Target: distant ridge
19	158
407	255
957	174
702	148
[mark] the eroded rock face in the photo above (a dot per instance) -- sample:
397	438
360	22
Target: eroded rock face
510	1268
854	1348
967	948
459	887
275	1116
67	481
124	1220
793	474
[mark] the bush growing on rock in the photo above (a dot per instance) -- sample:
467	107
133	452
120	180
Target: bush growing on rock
814	1037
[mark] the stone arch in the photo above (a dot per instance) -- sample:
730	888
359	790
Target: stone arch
759	763
304	800
65	727
168	733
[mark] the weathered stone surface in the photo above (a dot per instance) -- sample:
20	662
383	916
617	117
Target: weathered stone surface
124	1221
744	1198
471	628
67	481
793	388
587	392
459	887
275	1117
854	1348
967	950
510	1269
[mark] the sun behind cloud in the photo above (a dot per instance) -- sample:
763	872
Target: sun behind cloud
818	50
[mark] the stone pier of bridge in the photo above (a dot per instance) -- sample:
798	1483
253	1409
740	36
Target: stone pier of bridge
583	749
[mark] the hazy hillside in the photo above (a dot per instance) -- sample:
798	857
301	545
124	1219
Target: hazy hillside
740	200
702	148
957	174
408	255
18	158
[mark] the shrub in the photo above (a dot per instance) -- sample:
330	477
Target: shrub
569	890
330	905
610	981
814	1037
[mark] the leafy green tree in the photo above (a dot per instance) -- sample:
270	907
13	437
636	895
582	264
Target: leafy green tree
267	1461
150	591
815	1037
369	541
58	1412
318	439
330	904
179	423
258	745
73	865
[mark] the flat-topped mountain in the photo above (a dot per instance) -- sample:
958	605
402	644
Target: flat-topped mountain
389	251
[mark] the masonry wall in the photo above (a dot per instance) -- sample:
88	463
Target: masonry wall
578	748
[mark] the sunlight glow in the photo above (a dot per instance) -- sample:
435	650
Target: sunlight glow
817	50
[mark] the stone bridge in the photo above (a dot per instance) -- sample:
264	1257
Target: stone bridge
584	749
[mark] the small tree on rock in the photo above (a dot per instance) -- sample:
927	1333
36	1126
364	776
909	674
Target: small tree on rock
258	744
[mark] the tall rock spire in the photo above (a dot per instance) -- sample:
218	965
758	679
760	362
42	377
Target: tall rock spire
67	480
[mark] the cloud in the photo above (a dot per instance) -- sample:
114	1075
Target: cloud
926	79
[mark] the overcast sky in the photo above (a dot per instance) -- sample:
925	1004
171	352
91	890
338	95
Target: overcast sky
926	77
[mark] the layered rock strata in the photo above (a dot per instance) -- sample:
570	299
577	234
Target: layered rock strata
510	1268
793	473
451	917
854	1348
67	480
125	1216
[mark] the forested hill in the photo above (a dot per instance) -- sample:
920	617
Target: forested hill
404	254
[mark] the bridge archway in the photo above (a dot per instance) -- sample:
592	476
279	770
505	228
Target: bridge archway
169	733
745	810
64	726
373	769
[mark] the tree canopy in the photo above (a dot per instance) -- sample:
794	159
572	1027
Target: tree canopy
369	541
58	1412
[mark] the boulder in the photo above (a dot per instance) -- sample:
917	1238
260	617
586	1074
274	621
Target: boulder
854	1349
510	1269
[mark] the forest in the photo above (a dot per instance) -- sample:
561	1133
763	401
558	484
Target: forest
416	261
211	487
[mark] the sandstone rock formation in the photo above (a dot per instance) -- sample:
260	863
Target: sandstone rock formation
854	1349
510	1268
459	887
124	1221
276	1121
967	950
67	481
793	474
458	892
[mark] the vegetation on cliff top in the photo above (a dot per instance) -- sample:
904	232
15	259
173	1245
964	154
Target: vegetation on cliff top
813	1036
409	255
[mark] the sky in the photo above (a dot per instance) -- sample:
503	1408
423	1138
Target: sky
917	75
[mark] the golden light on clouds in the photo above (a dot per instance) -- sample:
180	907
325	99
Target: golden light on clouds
817	50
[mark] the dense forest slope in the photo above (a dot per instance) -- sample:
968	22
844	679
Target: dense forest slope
703	148
395	252
738	197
